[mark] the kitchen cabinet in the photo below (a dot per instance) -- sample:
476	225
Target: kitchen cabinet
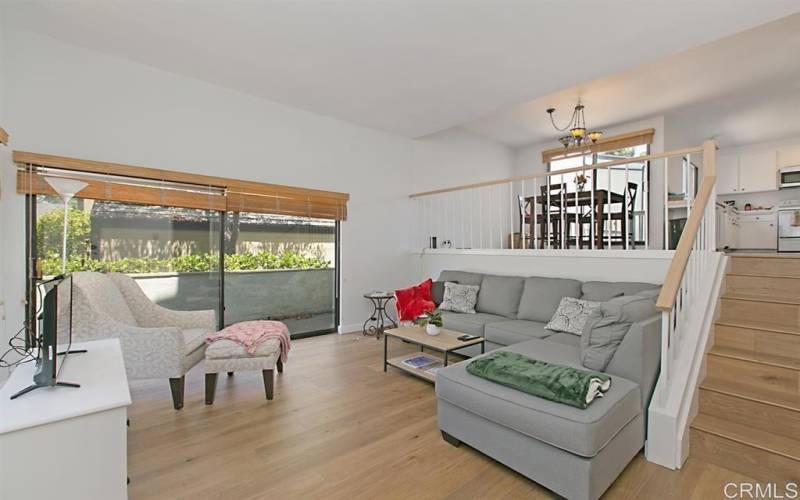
727	174
789	156
747	172
757	231
758	171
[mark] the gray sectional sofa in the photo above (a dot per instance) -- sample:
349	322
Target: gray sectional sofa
576	453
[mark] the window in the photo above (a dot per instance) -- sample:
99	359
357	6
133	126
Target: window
635	175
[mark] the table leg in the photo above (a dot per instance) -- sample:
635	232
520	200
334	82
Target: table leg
483	347
385	349
445	358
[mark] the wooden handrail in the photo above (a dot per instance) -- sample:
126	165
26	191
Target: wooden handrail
672	281
625	161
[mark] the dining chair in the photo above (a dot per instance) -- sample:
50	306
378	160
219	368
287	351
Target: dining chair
553	215
626	223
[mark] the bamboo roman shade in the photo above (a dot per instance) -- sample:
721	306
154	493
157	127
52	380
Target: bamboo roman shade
149	186
606	144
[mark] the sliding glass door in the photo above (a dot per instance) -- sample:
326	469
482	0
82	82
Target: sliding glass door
275	267
282	268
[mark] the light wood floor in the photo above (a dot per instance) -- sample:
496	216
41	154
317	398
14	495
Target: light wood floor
338	428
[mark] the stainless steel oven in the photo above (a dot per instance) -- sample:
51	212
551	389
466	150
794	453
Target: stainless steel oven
789	177
789	229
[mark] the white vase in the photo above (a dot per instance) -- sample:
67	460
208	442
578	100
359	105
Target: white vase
432	329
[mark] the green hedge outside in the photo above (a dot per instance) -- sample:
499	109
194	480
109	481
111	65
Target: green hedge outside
51	265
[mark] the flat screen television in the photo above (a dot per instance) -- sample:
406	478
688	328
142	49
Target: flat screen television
53	328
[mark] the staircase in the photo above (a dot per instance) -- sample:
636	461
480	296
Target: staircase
749	402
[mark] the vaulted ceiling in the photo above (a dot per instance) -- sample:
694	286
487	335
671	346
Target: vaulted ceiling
741	89
411	67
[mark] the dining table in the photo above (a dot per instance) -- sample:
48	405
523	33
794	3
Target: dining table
579	199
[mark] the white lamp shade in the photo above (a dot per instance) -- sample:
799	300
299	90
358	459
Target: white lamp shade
66	188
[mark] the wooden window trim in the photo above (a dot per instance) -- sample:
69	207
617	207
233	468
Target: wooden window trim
606	144
240	195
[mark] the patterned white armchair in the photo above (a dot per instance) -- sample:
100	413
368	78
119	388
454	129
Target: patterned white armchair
156	342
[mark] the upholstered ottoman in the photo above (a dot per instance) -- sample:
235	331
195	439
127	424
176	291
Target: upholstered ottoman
228	356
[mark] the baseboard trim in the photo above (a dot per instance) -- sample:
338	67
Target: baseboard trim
355	327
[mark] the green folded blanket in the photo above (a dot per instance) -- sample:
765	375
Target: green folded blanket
562	384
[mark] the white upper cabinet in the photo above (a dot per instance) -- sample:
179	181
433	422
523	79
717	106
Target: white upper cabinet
727	174
747	172
758	172
789	156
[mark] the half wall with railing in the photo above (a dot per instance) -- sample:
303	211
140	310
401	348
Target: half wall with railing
609	205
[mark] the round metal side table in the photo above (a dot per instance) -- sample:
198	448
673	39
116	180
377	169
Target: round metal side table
379	317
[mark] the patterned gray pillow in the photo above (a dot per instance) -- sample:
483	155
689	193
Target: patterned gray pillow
459	298
571	315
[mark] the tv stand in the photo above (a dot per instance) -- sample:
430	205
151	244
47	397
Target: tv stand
72	351
37	386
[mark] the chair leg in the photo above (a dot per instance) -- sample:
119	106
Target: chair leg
211	387
280	366
268	382
176	387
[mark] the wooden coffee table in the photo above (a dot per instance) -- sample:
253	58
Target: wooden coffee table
446	342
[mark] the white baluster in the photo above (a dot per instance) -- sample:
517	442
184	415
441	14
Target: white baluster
625	210
593	228
666	204
546	218
608	207
511	213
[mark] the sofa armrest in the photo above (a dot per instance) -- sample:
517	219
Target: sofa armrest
638	357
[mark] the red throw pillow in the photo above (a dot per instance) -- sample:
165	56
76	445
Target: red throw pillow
415	301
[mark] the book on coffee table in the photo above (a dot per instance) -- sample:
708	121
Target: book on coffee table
420	361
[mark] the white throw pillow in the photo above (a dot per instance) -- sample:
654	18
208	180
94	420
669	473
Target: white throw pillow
571	315
459	298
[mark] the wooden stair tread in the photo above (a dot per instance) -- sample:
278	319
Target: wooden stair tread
763	440
751	255
759	325
756	357
762	275
762	298
757	394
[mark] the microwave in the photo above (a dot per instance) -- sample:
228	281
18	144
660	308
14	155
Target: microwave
789	177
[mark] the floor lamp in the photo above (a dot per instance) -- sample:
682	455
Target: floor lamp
66	189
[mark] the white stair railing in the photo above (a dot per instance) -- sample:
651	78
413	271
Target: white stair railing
687	303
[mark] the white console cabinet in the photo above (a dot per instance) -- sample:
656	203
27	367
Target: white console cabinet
67	443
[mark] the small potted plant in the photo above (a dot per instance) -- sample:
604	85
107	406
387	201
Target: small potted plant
432	321
581	180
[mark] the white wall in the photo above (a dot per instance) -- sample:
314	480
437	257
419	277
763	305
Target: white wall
6	190
584	265
75	102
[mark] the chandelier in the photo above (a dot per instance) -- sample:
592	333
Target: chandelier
577	128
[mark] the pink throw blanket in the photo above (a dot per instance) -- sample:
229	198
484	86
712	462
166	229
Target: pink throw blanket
252	334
